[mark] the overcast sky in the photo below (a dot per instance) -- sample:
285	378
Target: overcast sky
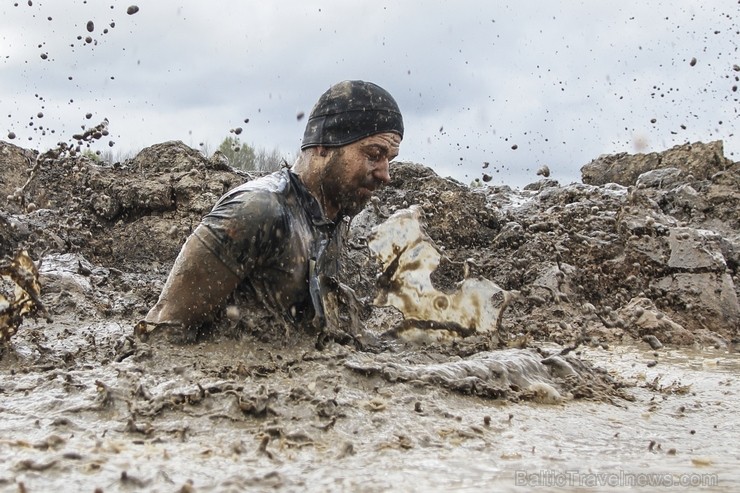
516	84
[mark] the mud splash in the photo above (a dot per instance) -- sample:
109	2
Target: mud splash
512	374
19	294
408	259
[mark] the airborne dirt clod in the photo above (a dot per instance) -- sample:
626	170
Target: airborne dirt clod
626	310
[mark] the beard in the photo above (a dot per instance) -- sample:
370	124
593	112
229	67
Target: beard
349	193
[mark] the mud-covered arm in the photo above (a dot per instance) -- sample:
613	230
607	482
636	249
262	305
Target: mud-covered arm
197	285
231	241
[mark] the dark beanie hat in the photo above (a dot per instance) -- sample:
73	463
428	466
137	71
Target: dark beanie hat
350	111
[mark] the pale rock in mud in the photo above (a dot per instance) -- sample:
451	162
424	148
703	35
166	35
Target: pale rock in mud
658	178
710	300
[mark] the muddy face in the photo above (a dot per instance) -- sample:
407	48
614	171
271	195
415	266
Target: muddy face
355	171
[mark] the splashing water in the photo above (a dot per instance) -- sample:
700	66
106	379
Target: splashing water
409	258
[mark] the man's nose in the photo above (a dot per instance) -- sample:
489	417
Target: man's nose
382	171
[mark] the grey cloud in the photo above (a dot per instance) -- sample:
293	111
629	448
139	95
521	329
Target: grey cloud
564	81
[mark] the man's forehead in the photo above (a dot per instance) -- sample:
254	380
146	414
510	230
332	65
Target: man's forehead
387	140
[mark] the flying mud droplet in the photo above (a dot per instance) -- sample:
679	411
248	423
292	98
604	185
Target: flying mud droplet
132	10
88	116
90	26
514	147
44	56
233	313
487	177
299	116
11	135
246	120
693	61
653	120
238	130
486	164
88	40
39	115
544	171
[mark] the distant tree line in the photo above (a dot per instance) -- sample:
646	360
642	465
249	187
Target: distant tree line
240	155
246	157
109	156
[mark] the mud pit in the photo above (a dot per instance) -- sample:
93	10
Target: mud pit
615	361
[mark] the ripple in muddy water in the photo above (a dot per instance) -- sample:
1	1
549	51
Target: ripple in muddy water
511	374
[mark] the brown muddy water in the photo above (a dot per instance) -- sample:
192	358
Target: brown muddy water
88	409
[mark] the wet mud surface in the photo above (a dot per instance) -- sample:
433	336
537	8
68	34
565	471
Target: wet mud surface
617	356
221	416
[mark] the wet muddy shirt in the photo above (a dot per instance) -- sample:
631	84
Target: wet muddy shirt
272	233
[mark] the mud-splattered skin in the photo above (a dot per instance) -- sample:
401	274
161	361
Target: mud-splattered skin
352	173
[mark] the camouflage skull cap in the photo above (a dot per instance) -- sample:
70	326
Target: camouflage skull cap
349	111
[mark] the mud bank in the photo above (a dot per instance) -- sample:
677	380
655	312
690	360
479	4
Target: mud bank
617	355
649	245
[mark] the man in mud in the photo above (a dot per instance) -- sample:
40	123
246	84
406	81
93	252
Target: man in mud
277	239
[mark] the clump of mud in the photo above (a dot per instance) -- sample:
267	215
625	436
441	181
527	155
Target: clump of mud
646	251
